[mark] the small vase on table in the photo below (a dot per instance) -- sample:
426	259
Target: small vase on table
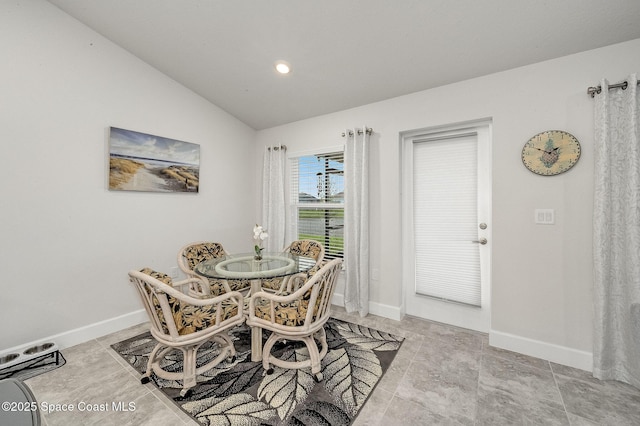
258	251
259	235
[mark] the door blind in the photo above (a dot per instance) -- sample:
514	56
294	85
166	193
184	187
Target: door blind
447	262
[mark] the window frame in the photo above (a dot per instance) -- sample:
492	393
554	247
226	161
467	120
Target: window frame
295	205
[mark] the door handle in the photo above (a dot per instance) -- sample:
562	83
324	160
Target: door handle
482	241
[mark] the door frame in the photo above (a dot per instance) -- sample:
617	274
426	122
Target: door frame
436	310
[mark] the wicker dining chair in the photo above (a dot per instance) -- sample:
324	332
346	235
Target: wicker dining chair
193	253
307	248
299	316
185	323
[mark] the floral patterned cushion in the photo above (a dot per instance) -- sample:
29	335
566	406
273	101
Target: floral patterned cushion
271	283
189	318
216	287
195	318
197	253
239	285
306	248
292	314
313	270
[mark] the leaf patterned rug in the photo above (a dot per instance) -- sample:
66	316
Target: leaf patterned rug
239	393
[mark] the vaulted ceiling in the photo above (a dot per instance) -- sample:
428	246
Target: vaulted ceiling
345	53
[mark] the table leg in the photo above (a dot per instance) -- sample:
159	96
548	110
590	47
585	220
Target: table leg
256	332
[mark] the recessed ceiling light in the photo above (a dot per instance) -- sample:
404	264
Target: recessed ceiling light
283	67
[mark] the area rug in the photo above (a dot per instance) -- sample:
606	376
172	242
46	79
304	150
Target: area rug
235	393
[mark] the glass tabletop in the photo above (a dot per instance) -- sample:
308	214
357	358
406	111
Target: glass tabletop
245	266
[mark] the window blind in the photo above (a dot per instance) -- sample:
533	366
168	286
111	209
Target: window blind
447	263
317	194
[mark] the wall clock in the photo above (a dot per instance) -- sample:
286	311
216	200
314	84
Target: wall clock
551	152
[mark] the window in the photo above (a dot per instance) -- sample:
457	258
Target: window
317	198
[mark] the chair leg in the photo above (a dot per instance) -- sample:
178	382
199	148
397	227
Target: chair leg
152	358
266	352
316	365
189	371
315	354
189	368
225	341
323	342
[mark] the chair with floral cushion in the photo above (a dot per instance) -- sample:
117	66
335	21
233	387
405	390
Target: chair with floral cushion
308	248
193	253
299	316
182	322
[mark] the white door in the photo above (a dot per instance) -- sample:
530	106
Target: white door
447	225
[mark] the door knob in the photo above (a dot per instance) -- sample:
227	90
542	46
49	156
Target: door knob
482	241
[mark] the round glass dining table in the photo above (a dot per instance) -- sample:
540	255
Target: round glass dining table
246	266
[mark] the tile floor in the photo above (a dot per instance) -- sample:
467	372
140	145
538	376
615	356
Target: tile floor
441	375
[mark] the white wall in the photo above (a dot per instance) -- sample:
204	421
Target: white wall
542	275
66	242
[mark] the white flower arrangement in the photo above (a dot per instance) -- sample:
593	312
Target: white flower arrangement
259	235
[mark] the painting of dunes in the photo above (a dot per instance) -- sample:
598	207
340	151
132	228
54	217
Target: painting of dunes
143	162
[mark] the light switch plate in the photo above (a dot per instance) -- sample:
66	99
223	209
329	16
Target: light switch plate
544	216
174	272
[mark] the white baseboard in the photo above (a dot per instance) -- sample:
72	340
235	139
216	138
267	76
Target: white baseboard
549	351
386	311
338	299
554	353
88	332
99	329
535	348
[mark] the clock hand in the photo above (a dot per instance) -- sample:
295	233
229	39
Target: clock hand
548	152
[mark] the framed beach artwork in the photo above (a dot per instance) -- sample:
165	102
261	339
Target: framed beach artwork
143	162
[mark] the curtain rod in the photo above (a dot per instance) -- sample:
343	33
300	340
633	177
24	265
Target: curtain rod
598	89
276	148
369	131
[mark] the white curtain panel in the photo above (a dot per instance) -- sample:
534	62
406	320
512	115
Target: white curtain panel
356	229
616	234
273	203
